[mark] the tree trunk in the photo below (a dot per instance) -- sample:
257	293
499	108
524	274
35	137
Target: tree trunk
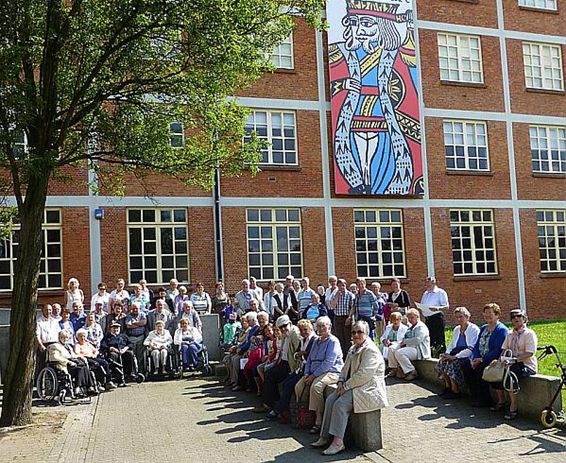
18	380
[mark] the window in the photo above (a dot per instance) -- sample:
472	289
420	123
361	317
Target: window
278	129
274	243
543	66
157	245
379	243
552	240
176	135
465	145
460	58
50	273
282	55
473	242
548	149
541	4
20	148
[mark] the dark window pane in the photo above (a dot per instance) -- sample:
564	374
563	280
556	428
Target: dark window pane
180	233
166	216
135	241
180	215
149	234
148	215
167	241
52	216
134	215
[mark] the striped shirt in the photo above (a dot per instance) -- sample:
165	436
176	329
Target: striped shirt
344	303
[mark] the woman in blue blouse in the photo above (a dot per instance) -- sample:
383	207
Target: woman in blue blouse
486	349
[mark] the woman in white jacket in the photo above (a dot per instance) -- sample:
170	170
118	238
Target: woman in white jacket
361	389
158	342
189	340
393	334
449	368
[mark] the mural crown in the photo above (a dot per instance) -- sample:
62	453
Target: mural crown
381	8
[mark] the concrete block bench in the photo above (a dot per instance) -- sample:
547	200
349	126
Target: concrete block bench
536	391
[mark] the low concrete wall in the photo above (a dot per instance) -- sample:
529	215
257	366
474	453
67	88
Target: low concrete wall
4	348
211	335
535	395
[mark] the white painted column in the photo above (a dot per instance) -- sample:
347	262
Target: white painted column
94	238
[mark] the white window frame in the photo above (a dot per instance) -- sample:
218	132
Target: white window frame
543	62
472	220
371	225
252	125
551	225
472	137
551	5
458	62
279	219
159	226
278	53
45	258
21	148
175	135
548	148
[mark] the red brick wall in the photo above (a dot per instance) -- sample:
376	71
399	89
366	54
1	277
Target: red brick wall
70	181
201	247
538	21
314	245
481	13
114	246
76	247
234	237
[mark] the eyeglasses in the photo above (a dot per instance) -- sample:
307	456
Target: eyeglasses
516	316
358	332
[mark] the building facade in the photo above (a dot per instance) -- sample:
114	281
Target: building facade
489	222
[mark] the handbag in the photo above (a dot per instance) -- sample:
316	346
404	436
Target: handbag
495	372
305	417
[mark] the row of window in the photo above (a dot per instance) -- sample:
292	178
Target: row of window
158	244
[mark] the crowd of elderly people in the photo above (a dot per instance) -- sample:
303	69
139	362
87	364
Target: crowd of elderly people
331	347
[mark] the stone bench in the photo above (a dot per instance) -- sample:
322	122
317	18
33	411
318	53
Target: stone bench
536	391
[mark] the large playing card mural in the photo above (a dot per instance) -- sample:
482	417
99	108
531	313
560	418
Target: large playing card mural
374	97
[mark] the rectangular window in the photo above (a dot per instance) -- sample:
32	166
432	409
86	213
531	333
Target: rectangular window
282	55
543	66
278	129
176	135
158	245
541	4
50	274
20	148
274	243
465	145
552	240
379	243
473	242
548	149
460	58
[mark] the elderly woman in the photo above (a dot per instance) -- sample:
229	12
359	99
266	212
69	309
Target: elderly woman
65	324
398	300
189	340
361	389
450	367
322	369
522	342
94	330
74	294
62	354
257	350
179	299
239	337
486	349
241	350
117	316
415	345
158	342
190	314
393	334
85	350
315	309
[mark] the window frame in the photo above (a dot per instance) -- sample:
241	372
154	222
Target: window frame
473	249
537	6
460	58
557	221
378	225
274	223
276	52
158	225
176	134
45	227
466	145
559	140
528	68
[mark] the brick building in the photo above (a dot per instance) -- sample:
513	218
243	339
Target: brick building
491	221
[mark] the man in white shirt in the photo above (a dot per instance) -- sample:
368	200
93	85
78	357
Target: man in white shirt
47	333
329	295
101	296
257	289
437	300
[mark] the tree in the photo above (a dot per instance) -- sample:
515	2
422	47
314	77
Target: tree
96	83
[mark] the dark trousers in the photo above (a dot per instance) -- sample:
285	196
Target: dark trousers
342	332
435	324
100	368
287	390
273	377
479	389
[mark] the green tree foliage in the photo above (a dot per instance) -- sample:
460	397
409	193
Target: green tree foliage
96	83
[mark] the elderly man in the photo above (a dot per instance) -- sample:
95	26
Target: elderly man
290	298
305	296
46	332
342	303
436	300
78	316
140	298
190	314
244	297
56	314
366	307
136	328
329	293
118	350
161	312
256	288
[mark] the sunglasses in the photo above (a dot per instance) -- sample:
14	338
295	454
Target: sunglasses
516	316
358	332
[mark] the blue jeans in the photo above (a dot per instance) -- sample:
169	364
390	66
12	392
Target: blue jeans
287	389
189	353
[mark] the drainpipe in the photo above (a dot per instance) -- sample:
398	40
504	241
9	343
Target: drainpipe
218	228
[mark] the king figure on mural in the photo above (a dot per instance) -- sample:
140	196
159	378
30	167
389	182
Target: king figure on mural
374	97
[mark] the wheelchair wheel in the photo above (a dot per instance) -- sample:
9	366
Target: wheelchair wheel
47	384
207	370
548	418
140	378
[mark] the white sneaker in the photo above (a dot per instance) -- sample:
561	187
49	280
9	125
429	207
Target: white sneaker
321	442
333	450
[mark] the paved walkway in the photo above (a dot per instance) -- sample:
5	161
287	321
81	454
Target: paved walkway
201	421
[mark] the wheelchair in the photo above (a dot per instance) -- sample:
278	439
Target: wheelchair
171	369
55	385
117	372
203	367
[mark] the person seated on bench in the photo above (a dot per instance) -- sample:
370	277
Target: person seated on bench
361	389
158	343
415	345
189	340
450	367
393	334
522	342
